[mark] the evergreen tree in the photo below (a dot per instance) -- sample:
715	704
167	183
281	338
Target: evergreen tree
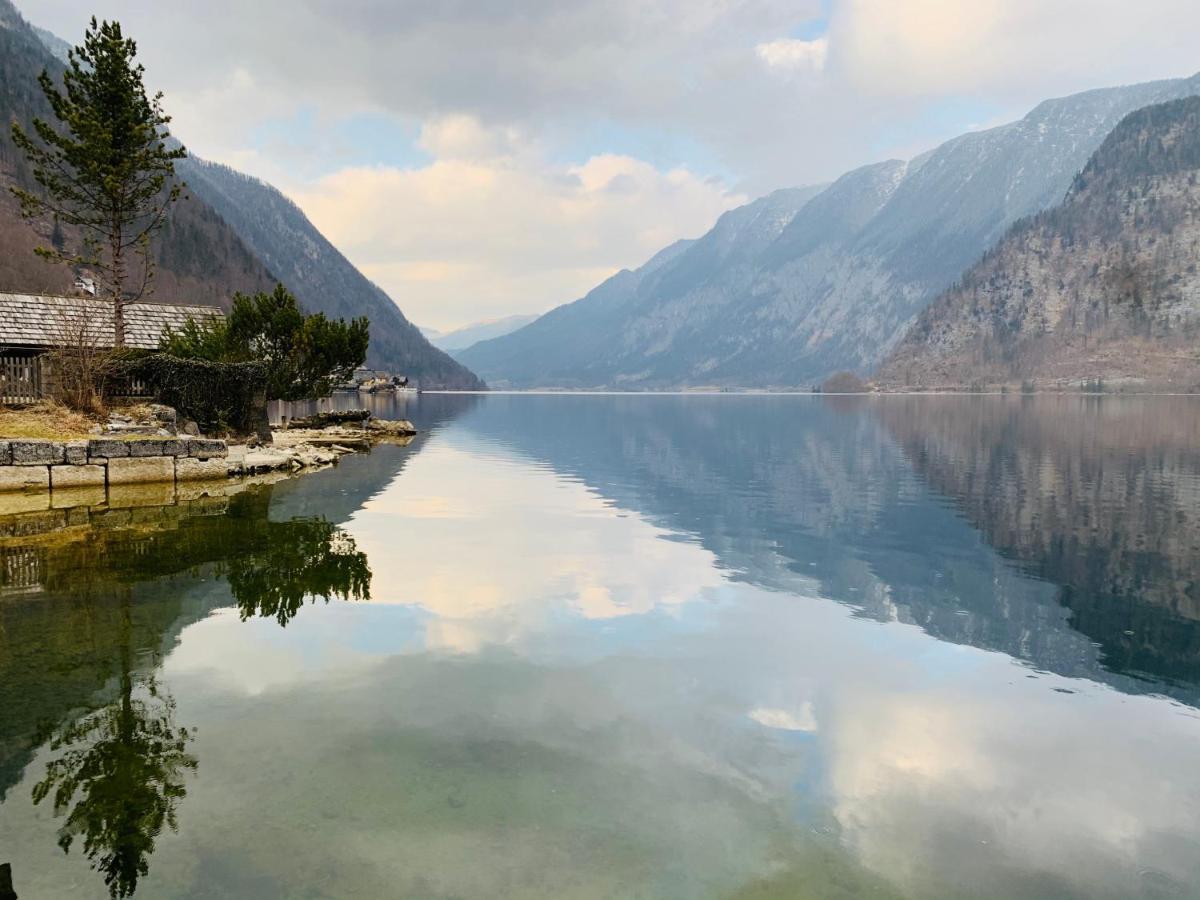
107	168
306	355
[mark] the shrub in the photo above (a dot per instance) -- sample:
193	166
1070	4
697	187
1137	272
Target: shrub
844	383
219	396
306	355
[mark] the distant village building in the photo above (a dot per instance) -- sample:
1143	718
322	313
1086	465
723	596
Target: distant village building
32	325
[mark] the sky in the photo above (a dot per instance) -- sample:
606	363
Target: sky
480	158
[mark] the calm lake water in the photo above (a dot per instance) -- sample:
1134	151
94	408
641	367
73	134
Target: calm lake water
628	646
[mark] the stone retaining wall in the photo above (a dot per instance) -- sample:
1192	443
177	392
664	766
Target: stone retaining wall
36	465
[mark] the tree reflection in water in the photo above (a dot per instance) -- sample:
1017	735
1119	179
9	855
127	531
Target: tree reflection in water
304	558
121	776
120	771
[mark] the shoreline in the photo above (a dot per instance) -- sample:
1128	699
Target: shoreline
757	392
38	474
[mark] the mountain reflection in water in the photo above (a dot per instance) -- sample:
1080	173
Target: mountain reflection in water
629	646
1099	498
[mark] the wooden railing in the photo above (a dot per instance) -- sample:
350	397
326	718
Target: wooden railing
126	388
20	379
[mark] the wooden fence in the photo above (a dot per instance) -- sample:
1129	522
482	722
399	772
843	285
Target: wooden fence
21	379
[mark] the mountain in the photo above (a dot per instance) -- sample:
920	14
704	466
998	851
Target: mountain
1102	287
199	258
230	233
462	338
279	234
608	338
792	287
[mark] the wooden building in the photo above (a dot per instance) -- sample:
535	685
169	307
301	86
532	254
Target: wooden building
33	325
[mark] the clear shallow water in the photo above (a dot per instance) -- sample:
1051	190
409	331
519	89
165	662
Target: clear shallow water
630	646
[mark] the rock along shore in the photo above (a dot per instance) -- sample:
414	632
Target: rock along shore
35	467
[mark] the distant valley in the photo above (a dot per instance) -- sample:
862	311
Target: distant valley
469	335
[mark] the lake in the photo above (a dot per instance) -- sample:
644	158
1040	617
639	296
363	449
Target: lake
629	646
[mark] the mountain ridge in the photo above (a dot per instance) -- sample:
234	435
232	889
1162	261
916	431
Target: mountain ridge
198	258
837	288
1102	288
280	234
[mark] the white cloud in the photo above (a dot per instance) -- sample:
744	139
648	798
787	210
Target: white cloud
464	137
491	226
1016	49
801	719
794	55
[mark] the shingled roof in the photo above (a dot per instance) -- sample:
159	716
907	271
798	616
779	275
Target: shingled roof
31	320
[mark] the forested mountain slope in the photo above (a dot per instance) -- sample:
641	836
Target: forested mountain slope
229	233
200	258
279	233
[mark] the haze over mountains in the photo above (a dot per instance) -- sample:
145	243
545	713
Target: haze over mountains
469	335
802	283
232	233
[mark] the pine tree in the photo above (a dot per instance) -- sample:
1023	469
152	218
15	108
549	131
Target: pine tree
110	169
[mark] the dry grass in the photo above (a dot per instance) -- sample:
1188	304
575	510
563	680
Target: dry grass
45	420
53	421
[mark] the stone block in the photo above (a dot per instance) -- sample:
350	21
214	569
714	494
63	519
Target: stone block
174	447
5	453
36	453
266	460
76	476
76	452
207	448
141	471
107	448
189	469
77	500
154	515
24	478
144	448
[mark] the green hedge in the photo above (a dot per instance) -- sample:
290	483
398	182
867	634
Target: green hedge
219	396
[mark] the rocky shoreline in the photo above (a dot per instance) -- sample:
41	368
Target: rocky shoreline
34	472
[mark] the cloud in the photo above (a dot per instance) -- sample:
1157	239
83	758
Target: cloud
1023	50
486	117
707	69
794	55
802	719
491	226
